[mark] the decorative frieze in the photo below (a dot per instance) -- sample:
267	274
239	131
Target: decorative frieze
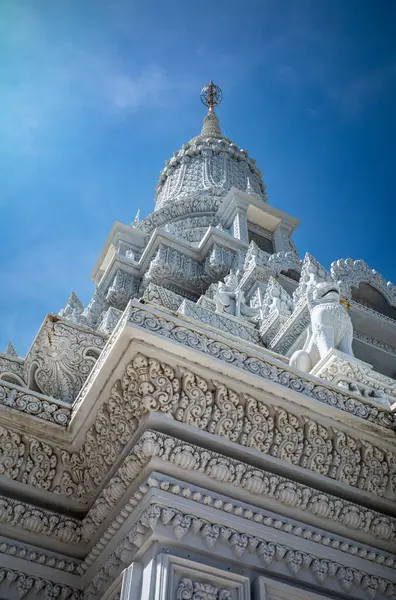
30	403
48	559
350	373
258	482
196	590
149	385
232	326
164	326
368	339
216	537
14	582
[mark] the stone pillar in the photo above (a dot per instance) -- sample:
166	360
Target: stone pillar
171	577
132	582
282	238
240	226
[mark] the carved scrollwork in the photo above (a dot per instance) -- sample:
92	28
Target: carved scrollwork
227	414
317	453
196	590
40	465
196	400
12	452
288	437
374	472
345	465
258	425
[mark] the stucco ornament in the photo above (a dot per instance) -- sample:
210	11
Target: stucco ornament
230	299
330	326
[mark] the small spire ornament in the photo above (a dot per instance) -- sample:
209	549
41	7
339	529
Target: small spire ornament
10	350
136	220
211	96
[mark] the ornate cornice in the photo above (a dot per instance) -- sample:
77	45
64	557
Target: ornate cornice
42	558
184	334
35	587
216	537
258	482
151	386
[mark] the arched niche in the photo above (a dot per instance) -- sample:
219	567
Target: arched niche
367	295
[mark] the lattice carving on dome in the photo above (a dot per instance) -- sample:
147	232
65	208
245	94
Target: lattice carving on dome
208	165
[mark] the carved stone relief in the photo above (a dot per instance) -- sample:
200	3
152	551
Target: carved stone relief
61	358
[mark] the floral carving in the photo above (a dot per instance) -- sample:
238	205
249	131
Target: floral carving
288	437
196	400
195	590
258	425
317	453
40	465
374	472
227	414
12	451
150	385
187	336
345	465
34	405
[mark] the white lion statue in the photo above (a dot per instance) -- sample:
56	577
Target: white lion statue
330	327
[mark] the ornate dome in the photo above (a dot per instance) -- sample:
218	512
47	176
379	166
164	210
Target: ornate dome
209	165
195	180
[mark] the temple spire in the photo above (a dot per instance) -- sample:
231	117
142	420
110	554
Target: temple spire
10	350
211	126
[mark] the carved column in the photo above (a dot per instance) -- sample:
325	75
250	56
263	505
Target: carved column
282	238
240	226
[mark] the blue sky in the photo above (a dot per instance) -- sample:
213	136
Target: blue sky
96	95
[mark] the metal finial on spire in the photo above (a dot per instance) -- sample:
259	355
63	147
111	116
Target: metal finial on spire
136	220
211	96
